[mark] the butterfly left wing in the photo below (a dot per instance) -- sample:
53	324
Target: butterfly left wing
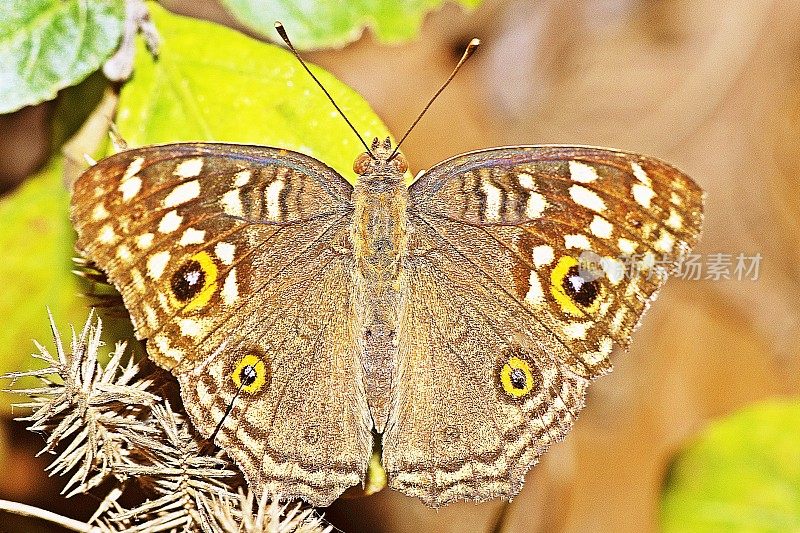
504	323
235	264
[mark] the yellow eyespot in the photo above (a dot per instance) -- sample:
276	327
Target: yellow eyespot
577	295
516	377
194	282
250	374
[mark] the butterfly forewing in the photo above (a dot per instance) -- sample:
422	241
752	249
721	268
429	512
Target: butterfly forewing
547	214
233	261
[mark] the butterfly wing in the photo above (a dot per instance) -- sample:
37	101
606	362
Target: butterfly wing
235	264
526	267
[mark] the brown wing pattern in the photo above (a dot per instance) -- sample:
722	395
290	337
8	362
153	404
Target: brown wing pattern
527	267
235	259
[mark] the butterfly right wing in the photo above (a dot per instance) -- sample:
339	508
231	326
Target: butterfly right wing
501	333
234	260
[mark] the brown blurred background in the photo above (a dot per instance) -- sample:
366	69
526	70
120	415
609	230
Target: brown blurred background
712	87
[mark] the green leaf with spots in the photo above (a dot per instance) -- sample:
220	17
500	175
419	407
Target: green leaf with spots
741	474
212	83
325	24
46	45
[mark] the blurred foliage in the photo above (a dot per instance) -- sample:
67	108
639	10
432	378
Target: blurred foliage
36	238
324	24
741	474
213	83
46	45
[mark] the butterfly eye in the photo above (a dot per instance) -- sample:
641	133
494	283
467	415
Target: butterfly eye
399	162
194	282
362	164
250	375
517	377
576	291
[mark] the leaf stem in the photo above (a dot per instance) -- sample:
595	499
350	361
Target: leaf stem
49	516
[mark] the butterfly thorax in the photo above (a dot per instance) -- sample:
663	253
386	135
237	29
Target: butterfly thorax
378	233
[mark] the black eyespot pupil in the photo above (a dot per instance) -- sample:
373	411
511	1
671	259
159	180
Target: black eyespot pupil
518	379
580	290
248	375
188	281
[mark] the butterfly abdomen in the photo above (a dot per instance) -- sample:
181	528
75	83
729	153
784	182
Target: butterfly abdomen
379	238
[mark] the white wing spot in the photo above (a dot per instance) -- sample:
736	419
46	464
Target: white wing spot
192	236
130	188
581	172
225	251
642	194
182	193
144	241
190	327
150	316
526	181
626	246
665	242
157	263
640	174
242	178
577	241
124	253
170	222
613	268
189	168
230	290
586	198
577	330
273	194
675	221
99	212
536	205
492	210
675	198
232	204
601	227
138	280
535	294
133	168
618	321
107	235
542	255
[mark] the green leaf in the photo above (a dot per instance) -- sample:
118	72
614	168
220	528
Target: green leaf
212	83
741	474
46	45
324	24
36	238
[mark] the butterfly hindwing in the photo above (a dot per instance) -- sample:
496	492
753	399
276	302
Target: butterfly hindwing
231	257
526	267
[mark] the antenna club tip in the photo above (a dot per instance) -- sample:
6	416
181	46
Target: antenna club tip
474	43
278	24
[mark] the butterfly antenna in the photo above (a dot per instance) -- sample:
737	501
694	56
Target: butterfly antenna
473	44
282	32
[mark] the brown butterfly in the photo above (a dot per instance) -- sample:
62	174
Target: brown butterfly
455	319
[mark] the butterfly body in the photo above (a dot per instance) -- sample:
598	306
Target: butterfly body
380	241
455	317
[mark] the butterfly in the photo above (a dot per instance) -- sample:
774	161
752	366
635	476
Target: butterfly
458	320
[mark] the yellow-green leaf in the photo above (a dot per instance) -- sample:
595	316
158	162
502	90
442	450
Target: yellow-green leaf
324	24
212	83
741	474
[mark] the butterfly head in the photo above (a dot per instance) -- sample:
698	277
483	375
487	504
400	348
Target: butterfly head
380	161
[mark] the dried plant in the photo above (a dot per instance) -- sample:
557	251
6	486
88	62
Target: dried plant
108	429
